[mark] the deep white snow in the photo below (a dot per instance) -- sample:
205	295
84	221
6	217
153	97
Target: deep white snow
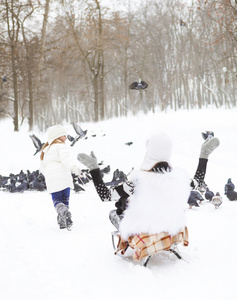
38	261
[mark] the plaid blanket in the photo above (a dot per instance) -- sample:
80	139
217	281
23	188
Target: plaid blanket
145	244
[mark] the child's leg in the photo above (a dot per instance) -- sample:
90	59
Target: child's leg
61	202
200	172
66	196
57	198
206	149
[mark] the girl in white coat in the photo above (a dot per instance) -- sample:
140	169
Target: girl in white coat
57	168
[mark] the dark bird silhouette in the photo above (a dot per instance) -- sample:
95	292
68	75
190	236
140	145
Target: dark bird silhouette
229	186
4	181
4	79
229	190
86	173
37	181
118	178
12	185
231	195
77	188
106	169
129	143
193	199
20	188
80	134
182	23
23	181
140	85
207	135
209	194
80	179
37	143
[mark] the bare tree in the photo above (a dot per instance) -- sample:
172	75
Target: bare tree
12	11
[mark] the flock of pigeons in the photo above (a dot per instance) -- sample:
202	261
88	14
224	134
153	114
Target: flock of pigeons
23	181
202	191
197	196
35	181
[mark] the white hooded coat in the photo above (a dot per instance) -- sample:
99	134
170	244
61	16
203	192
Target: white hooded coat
159	199
57	167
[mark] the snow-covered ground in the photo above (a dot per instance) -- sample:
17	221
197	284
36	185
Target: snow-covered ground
38	261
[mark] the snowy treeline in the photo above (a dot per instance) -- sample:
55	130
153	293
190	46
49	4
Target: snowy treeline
74	60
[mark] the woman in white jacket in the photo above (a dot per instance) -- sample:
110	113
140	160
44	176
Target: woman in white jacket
155	197
56	165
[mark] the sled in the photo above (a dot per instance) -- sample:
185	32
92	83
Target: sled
146	245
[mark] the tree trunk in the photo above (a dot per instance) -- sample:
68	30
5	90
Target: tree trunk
42	50
15	88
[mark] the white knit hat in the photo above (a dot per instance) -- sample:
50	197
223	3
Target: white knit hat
55	132
159	147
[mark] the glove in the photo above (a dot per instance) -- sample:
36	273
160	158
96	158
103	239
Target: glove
76	170
90	161
208	146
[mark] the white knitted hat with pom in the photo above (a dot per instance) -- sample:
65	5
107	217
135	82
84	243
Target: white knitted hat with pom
159	148
55	132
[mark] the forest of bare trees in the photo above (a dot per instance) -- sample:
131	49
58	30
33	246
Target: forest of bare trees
74	60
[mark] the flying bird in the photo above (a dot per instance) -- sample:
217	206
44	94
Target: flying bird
207	135
182	23
129	143
37	143
80	134
4	79
140	85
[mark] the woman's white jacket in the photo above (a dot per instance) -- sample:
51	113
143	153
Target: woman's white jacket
57	167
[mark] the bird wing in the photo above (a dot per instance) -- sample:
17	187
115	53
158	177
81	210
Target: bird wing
204	135
78	130
144	84
36	141
133	85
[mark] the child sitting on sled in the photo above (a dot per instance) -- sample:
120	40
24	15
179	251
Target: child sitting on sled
155	197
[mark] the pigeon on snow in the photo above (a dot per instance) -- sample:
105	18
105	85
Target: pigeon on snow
209	194
229	190
217	200
194	198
